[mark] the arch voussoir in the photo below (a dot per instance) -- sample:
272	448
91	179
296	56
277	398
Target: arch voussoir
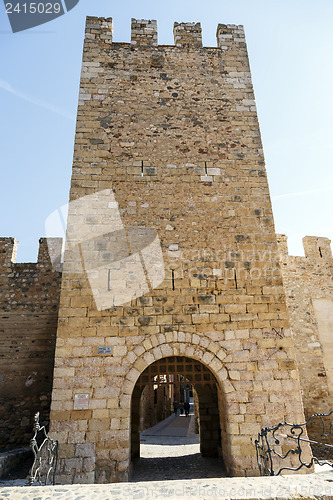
150	355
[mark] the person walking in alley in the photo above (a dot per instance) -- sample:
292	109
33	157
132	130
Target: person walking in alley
175	407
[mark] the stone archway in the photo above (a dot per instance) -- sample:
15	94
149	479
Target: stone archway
166	371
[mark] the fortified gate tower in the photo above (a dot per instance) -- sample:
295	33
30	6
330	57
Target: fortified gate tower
171	263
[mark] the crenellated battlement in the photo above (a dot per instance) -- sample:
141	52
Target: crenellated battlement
99	28
47	246
229	34
282	241
187	35
316	248
144	33
8	250
49	251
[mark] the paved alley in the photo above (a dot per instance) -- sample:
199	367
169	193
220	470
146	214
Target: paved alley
171	450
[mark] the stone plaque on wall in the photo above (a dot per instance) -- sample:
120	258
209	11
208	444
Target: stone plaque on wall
81	401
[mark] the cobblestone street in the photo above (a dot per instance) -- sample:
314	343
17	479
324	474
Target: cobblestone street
171	450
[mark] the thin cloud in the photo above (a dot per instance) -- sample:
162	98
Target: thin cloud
37	102
301	193
320	140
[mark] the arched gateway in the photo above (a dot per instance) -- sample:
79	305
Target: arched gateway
170	252
175	373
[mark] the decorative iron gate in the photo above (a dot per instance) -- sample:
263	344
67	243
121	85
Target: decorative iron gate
275	444
45	452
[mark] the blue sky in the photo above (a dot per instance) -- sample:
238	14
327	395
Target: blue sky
290	44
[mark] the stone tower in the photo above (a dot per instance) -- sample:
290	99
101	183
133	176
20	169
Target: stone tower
171	262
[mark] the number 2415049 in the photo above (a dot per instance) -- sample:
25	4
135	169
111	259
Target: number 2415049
33	8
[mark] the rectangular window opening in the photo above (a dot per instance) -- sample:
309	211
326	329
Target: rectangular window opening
235	278
109	279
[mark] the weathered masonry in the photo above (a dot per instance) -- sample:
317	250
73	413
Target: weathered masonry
168	144
29	309
308	283
29	303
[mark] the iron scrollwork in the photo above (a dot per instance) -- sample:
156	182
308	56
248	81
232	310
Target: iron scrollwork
272	440
44	466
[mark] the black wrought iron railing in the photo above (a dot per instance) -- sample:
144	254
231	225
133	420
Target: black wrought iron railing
45	452
287	441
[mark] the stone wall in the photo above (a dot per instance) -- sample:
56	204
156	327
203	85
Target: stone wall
29	302
308	283
168	140
155	406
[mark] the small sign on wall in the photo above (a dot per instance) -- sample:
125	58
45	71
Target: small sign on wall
81	401
105	350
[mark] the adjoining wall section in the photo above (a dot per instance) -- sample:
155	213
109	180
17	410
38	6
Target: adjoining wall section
29	302
323	309
308	282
